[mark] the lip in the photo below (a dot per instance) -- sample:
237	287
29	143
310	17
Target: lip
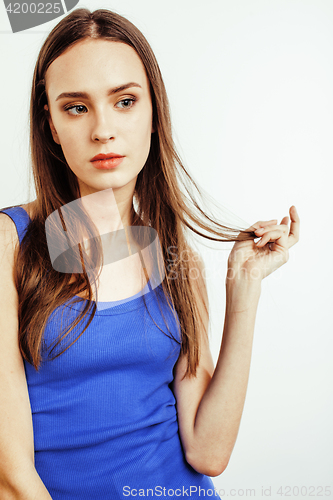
106	156
108	163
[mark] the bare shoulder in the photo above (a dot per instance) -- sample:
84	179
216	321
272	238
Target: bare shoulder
7	226
8	236
9	242
8	233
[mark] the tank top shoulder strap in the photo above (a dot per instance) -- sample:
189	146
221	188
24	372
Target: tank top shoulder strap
20	218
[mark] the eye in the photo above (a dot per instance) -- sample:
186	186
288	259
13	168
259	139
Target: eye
79	106
129	103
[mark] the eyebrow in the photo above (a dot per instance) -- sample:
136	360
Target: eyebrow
112	91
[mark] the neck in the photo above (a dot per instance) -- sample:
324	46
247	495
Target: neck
108	211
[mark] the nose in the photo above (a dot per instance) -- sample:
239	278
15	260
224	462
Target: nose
103	128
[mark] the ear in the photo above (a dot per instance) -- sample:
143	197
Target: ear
53	130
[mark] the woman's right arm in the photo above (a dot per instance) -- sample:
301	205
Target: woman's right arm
19	479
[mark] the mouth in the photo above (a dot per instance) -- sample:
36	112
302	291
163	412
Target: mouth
106	162
107	156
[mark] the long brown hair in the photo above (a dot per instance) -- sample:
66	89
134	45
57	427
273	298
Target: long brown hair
161	203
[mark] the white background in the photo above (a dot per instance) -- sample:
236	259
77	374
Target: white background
250	84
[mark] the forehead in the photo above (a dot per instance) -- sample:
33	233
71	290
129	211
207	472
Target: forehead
93	64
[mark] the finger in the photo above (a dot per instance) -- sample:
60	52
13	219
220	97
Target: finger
263	230
274	236
264	223
294	226
261	223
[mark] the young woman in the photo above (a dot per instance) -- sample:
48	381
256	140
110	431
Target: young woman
127	403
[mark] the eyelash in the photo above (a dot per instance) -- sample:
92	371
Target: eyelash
132	99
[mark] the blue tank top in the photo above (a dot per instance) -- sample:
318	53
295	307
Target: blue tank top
104	415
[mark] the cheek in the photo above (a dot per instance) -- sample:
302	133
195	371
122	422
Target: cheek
140	129
72	147
70	138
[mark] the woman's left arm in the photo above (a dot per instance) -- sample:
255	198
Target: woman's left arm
210	405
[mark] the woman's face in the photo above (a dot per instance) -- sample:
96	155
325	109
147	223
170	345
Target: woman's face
103	120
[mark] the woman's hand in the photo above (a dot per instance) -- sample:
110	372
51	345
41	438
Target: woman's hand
254	261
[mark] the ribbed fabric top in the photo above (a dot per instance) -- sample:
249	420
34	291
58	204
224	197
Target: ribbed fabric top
104	415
